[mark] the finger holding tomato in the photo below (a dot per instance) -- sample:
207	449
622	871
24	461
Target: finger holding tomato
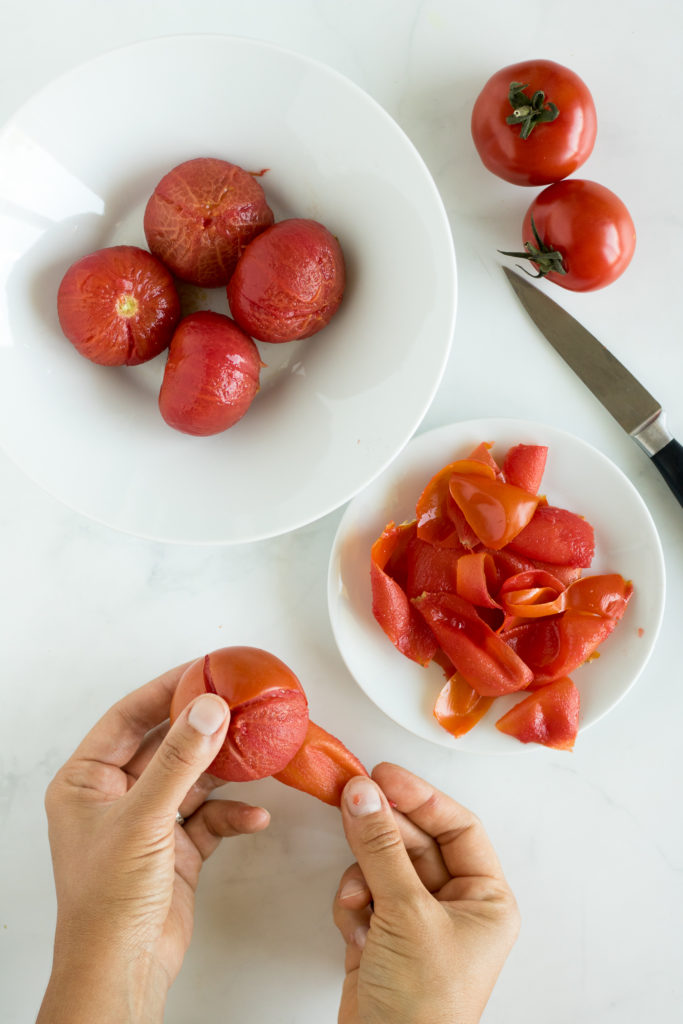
534	122
578	234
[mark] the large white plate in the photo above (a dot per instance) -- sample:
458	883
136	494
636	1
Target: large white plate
577	477
77	165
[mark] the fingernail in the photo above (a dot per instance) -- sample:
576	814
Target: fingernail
207	714
362	797
352	888
360	935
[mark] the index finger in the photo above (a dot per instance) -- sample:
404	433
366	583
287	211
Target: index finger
465	847
118	734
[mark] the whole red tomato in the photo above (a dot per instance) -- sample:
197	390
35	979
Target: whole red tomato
578	234
211	375
118	306
289	281
534	123
201	216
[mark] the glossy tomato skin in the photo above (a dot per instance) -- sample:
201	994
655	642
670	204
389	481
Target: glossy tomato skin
268	709
554	149
211	375
118	306
589	226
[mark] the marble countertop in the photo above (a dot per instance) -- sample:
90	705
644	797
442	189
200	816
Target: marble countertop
592	842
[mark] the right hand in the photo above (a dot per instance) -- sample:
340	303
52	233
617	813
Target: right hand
426	914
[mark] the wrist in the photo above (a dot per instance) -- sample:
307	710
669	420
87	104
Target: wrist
96	982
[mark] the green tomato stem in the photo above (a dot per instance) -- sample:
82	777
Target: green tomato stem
547	259
529	112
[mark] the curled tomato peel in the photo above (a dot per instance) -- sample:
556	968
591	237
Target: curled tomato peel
488	583
496	511
459	707
391	607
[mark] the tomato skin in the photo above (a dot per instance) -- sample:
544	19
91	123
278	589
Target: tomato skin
591	228
553	149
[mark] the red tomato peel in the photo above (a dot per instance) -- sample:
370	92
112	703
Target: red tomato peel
391	607
321	767
496	511
549	717
484	660
520	616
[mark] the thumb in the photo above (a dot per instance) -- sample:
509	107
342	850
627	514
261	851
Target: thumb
373	835
186	751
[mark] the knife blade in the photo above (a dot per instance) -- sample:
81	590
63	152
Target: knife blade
632	405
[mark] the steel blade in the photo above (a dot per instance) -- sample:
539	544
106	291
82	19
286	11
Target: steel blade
632	406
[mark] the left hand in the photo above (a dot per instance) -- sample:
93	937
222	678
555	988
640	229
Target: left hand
125	871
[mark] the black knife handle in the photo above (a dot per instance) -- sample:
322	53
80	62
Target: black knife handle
669	462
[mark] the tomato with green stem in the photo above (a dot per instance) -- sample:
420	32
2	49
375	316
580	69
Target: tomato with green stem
534	123
578	234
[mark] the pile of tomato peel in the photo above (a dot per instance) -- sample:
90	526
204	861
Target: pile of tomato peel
487	581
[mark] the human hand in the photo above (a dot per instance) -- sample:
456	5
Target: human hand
426	914
125	870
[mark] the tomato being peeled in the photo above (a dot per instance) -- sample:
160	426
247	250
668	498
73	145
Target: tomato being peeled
534	123
578	234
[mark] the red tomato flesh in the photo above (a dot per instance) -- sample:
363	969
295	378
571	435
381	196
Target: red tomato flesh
118	306
211	375
458	707
201	216
268	709
289	282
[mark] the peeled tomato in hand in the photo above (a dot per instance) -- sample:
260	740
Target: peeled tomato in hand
289	281
201	216
118	306
211	375
268	710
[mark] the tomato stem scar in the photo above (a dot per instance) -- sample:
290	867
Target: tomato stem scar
529	112
126	305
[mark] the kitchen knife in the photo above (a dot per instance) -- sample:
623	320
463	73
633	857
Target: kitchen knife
623	396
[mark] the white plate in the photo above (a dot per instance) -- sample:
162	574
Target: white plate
77	165
577	477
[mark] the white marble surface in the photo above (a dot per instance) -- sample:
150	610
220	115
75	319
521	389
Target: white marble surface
592	842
